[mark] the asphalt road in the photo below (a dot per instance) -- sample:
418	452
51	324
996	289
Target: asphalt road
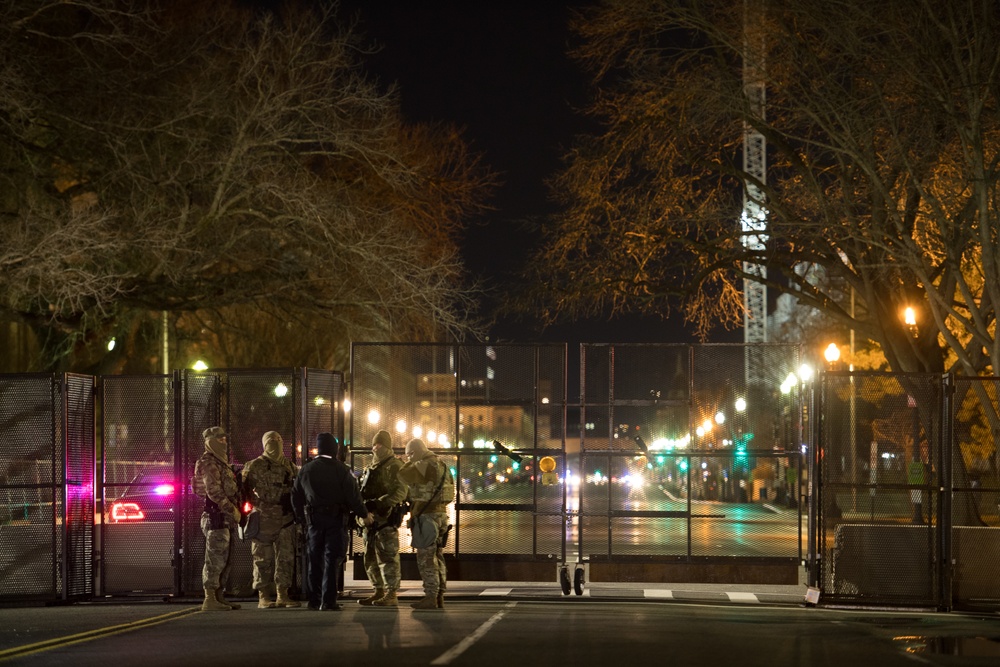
485	632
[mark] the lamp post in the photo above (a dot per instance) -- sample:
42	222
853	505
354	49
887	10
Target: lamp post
915	470
832	356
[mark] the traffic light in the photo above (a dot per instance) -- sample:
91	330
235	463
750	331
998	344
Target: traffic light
741	443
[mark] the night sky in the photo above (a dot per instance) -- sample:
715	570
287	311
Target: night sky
500	71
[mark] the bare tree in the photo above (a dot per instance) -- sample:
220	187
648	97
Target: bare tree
204	158
881	123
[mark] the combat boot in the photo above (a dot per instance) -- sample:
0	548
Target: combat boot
222	599
387	600
373	598
440	600
426	602
264	601
212	603
285	601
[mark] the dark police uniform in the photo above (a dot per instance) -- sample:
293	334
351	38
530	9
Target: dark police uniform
324	494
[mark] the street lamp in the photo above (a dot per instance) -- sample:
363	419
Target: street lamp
832	355
915	474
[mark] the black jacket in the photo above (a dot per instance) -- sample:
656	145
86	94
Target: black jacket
326	483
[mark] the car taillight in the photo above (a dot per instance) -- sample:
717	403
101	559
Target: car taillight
126	512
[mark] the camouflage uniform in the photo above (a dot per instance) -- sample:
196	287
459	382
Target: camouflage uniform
382	491
267	481
215	481
422	475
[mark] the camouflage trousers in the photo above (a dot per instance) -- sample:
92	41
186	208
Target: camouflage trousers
219	545
273	552
382	557
430	561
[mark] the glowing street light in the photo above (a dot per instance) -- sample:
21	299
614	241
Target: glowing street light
741	404
374	417
805	373
199	366
831	354
281	390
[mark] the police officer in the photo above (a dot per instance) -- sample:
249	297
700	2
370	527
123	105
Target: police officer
215	481
267	481
431	488
383	494
324	494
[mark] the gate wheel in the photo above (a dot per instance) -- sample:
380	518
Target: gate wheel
577	581
564	580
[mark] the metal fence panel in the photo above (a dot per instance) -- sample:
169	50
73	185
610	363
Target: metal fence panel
880	458
975	503
139	490
493	411
47	484
689	452
30	479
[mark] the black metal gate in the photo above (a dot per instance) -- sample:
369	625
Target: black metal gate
150	533
882	508
494	412
47	483
689	455
909	501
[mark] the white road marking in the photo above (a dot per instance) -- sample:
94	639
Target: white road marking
497	591
460	648
742	597
658	593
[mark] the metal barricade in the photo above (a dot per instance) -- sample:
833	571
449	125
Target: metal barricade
493	412
689	456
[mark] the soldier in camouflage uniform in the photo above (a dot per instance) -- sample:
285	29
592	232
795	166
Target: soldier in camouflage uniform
383	493
267	482
431	488
215	481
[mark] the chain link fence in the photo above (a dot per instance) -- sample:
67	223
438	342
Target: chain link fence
688	454
493	412
47	486
882	503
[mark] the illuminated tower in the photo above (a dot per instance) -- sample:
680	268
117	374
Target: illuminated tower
753	221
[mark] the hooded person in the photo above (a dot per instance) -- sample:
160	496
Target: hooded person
431	487
215	481
324	494
384	495
267	483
